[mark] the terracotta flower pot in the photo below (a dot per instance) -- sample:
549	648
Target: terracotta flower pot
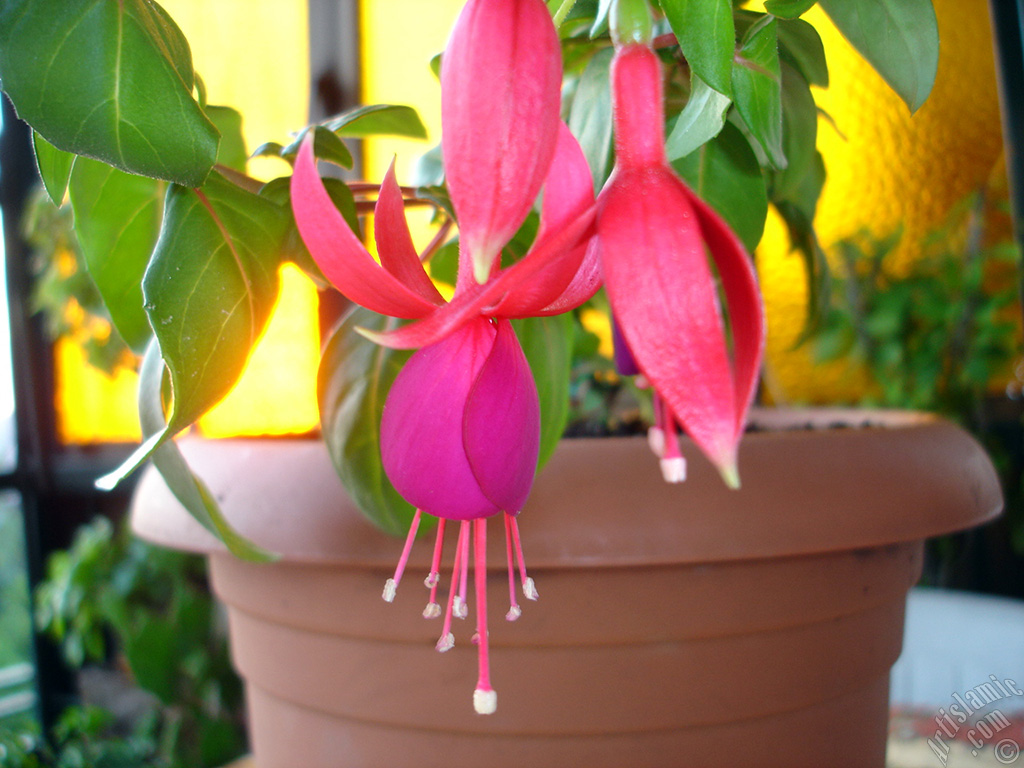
677	625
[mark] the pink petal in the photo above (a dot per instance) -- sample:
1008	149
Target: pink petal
422	429
500	96
338	252
664	297
394	241
501	429
479	299
743	303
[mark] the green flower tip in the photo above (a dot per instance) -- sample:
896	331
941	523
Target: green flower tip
631	22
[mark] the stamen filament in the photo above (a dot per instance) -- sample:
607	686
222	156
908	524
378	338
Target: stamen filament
673	465
391	585
514	611
461	608
433	609
485	698
529	588
447	639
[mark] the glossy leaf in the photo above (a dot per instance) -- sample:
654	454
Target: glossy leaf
54	167
788	9
590	116
899	38
800	45
725	174
326	146
352	386
757	88
799	131
700	121
210	288
169	462
378	120
117	220
112	81
231	151
600	24
707	38
548	343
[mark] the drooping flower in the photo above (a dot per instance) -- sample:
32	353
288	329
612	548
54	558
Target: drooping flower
460	432
655	237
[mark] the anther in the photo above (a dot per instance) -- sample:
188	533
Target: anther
485	702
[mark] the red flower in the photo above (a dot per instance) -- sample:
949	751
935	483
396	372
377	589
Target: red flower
655	237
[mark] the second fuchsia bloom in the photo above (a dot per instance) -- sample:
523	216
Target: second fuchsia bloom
460	431
655	236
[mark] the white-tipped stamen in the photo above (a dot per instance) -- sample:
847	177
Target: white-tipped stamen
656	441
530	589
434	577
641	381
673	465
447	639
673	470
391	585
514	611
459	608
432	611
485	702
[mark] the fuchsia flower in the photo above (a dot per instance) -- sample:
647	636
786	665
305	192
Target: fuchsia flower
654	235
461	425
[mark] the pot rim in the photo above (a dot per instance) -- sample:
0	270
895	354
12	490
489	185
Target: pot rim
883	477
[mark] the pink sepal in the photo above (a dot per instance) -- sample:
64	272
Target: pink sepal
394	241
338	252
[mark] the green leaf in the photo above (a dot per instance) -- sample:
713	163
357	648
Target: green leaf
548	344
800	45
799	132
210	287
726	175
700	121
899	38
590	116
170	463
757	88
54	167
326	146
112	81
117	220
208	291
378	120
788	9
354	380
231	151
707	38
600	25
